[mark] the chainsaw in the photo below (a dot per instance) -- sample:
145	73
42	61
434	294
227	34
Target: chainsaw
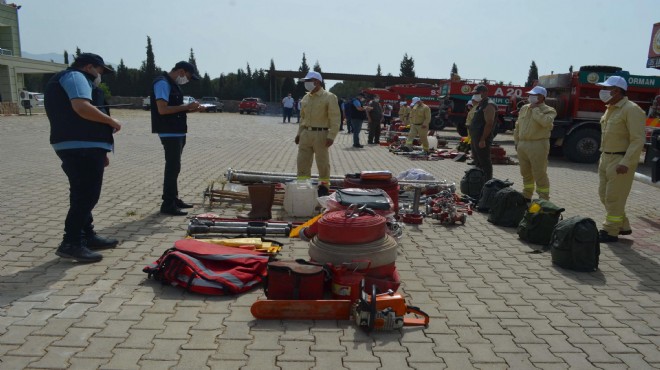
385	311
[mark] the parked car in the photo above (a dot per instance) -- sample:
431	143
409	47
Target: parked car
252	105
211	104
146	102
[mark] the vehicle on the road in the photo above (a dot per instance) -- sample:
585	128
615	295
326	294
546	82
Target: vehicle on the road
211	104
252	105
574	96
146	103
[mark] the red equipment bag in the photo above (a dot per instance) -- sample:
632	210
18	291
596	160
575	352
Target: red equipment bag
209	268
297	279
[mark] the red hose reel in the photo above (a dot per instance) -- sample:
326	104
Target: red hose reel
352	226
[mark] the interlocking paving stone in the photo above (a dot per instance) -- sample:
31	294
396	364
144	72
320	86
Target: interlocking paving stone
492	304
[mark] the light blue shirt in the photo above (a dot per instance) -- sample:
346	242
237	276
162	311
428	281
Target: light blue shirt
77	86
162	91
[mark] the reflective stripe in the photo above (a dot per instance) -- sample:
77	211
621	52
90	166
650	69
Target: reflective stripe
543	190
614	218
528	186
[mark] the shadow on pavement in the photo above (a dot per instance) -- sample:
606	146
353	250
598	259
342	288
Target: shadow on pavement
33	281
647	270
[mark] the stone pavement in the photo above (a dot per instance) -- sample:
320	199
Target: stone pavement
493	304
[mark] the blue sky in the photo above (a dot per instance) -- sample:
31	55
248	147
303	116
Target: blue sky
486	39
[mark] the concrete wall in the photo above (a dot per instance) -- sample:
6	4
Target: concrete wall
9	36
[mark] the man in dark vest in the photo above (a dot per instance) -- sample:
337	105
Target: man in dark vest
481	130
81	134
168	120
358	113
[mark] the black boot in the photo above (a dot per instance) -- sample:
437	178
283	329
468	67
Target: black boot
322	191
181	204
95	242
170	208
77	252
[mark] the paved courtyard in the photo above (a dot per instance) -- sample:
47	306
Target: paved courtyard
493	303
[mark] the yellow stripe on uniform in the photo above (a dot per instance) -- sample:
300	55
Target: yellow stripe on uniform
614	218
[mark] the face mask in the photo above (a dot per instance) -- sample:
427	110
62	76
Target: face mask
309	85
476	97
97	80
605	95
181	80
533	99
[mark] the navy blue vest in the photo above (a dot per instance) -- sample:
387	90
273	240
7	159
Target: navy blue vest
168	123
355	113
65	123
479	122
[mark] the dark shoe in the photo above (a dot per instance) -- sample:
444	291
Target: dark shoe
625	232
181	204
78	253
99	242
323	191
604	237
358	146
528	201
172	211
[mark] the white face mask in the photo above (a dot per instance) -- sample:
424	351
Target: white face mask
605	95
182	80
533	99
309	85
97	80
476	97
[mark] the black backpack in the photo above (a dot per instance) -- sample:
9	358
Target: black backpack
472	182
491	187
508	208
574	244
539	221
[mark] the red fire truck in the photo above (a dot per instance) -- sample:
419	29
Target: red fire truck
575	97
395	94
456	94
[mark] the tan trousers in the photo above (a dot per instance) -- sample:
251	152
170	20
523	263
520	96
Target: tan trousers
416	130
613	190
533	158
312	143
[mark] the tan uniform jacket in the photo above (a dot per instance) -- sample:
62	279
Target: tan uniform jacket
320	109
534	123
420	115
622	130
470	115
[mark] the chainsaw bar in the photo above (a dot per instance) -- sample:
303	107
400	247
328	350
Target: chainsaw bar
273	309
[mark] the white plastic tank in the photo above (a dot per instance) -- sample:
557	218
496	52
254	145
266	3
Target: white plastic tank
433	142
300	199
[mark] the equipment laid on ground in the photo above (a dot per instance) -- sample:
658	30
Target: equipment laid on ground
249	228
262	197
447	208
300	199
297	279
385	311
209	269
487	196
414	216
472	182
574	244
508	208
539	221
234	192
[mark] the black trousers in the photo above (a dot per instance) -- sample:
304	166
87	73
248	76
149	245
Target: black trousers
84	168
481	157
173	150
374	132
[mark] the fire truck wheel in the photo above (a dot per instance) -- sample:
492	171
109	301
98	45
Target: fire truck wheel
582	146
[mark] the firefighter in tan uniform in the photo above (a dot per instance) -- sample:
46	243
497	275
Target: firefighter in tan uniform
319	126
622	141
404	113
420	118
532	139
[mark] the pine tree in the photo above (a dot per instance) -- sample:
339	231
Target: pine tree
454	69
66	57
303	66
533	75
407	66
300	86
191	59
379	74
78	52
570	69
317	67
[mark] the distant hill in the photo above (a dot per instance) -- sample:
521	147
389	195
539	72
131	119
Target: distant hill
55	57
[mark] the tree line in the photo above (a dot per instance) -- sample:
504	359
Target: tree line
246	82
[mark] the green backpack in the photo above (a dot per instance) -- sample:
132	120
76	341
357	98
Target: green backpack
574	244
539	220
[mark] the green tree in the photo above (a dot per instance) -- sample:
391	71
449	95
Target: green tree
407	66
379	73
317	67
66	57
206	86
570	69
78	52
533	75
300	86
148	70
191	58
349	88
454	69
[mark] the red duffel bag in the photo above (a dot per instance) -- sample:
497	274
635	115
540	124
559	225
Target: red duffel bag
297	279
